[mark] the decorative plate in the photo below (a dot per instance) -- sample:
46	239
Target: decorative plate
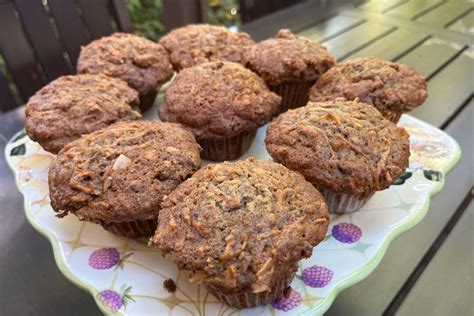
126	277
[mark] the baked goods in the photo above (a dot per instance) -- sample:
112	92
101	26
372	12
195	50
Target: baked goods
118	176
195	44
345	148
240	229
71	106
289	65
222	104
392	88
143	64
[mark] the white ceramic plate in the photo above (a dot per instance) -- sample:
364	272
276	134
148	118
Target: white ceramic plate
126	277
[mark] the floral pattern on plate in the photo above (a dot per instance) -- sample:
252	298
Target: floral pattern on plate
126	277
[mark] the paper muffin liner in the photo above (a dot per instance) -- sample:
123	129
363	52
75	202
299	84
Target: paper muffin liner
342	203
392	116
147	100
228	148
133	229
293	95
249	298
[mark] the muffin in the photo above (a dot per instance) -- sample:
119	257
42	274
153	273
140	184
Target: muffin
195	44
71	106
347	149
392	88
290	65
222	104
240	228
143	64
117	176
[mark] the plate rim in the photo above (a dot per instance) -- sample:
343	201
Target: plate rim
326	302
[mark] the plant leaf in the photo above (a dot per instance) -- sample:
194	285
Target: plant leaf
18	150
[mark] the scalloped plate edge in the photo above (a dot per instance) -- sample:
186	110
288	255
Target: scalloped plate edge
322	306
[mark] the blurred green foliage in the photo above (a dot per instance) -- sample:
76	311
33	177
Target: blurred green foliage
147	18
147	15
223	12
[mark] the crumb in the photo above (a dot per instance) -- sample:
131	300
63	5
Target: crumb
169	285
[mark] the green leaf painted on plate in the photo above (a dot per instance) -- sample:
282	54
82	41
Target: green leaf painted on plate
433	175
19	136
361	247
18	150
403	177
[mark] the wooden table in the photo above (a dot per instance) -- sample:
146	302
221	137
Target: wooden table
428	270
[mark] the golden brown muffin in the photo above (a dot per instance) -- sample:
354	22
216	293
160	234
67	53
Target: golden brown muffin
290	65
143	64
119	175
222	104
240	229
71	106
347	149
195	44
392	88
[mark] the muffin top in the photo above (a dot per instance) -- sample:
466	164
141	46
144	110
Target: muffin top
122	172
71	106
344	146
386	85
288	59
199	43
241	225
143	64
218	99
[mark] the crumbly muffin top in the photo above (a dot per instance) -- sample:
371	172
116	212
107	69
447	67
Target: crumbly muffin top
288	59
122	172
344	146
386	85
195	44
71	106
218	99
143	64
241	225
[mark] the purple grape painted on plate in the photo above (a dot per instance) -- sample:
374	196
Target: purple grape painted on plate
104	258
112	299
287	303
346	233
317	276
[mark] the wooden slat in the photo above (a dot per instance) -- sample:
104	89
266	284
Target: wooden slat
413	8
451	268
447	90
381	5
120	13
350	41
430	56
72	30
177	13
373	294
409	25
330	28
7	101
17	53
297	18
444	14
253	9
391	46
46	45
96	14
465	24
